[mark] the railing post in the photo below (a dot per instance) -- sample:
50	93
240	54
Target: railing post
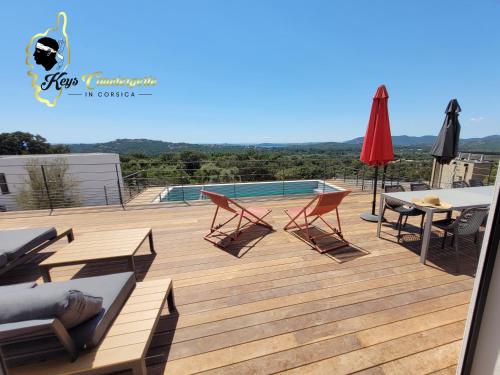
182	186
363	179
282	179
47	187
234	187
324	175
399	172
489	174
344	173
357	177
119	186
106	195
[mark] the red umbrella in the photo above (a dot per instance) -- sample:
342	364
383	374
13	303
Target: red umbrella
377	146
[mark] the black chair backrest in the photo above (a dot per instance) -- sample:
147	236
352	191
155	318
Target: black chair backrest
470	220
459	184
393	188
418	186
393	203
475	183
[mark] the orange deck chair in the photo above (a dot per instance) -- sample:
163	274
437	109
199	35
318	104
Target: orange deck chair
252	215
320	205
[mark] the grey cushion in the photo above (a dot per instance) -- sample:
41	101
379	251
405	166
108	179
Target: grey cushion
17	242
114	290
71	307
4	289
3	260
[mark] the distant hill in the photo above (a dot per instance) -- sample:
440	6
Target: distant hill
490	143
153	147
401	140
140	146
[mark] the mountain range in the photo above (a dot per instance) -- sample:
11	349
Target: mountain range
154	147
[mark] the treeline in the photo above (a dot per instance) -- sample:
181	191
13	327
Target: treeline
21	143
190	167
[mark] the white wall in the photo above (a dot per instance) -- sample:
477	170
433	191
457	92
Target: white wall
90	172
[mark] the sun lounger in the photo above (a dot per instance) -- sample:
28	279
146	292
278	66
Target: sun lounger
16	244
252	216
320	205
116	339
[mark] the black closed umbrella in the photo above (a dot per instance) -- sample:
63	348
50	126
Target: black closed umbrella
445	148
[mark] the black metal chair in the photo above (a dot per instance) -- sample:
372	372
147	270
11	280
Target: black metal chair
419	186
467	223
475	183
459	184
404	212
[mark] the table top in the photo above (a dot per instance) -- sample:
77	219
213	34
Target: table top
100	245
458	198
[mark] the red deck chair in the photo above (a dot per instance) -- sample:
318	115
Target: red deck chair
252	215
320	205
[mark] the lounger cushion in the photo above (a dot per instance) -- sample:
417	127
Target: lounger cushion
3	260
4	289
71	307
17	242
114	290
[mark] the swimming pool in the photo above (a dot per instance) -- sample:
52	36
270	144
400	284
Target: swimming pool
247	190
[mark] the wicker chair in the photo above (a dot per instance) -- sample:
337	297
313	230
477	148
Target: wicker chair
459	184
419	186
398	207
467	223
475	183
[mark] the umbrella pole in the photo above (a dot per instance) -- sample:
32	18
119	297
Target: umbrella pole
384	174
375	181
371	216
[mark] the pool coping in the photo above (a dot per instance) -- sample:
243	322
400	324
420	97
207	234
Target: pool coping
158	199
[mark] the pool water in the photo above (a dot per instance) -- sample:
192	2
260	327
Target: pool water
248	190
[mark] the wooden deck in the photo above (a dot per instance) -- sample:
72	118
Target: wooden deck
268	303
148	196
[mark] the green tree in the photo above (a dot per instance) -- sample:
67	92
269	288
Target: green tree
209	172
56	190
21	143
191	161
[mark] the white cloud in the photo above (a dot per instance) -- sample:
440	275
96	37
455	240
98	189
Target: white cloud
477	119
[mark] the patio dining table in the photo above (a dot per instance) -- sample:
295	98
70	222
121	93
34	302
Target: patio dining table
460	199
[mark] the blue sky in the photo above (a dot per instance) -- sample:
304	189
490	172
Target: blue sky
260	70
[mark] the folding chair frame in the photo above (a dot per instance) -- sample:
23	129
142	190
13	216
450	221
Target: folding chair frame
304	228
217	233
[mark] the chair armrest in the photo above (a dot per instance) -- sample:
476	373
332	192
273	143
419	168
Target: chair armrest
31	329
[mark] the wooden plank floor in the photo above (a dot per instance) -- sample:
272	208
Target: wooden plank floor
147	196
269	304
